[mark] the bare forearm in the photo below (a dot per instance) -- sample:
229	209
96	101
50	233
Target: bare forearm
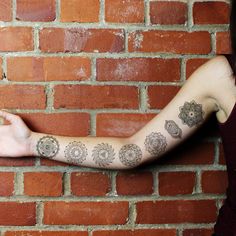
98	152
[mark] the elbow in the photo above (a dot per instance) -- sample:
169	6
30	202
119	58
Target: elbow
130	155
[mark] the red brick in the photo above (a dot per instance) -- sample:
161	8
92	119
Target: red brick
80	10
22	96
160	96
34	10
198	232
81	40
16	39
48	162
6	10
134	183
48	68
221	155
124	11
181	42
168	13
67	124
46	233
6	183
90	184
176	211
173	183
8	161
95	97
192	153
138	69
223	43
211	12
85	213
43	184
214	181
136	232
120	124
193	64
18	214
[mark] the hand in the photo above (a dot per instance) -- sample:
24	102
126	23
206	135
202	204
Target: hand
14	138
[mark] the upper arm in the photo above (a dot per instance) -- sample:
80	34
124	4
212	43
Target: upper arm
192	105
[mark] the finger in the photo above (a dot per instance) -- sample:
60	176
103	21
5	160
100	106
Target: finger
9	116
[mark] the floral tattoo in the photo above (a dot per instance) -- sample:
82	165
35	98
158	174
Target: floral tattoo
191	113
47	146
173	129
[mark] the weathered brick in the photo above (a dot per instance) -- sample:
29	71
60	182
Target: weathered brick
120	125
46	233
138	69
174	183
5	10
134	183
211	12
24	213
124	11
6	183
16	39
95	97
90	184
85	213
214	182
80	10
176	211
181	42
22	96
168	13
43	184
34	10
223	43
48	68
81	40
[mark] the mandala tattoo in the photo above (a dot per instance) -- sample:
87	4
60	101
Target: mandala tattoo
173	129
103	154
47	146
155	143
130	155
191	113
75	152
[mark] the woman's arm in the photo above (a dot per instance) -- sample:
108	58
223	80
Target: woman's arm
187	111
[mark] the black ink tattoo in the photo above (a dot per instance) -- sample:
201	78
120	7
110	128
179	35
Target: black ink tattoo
47	146
103	154
75	152
155	143
173	129
130	155
191	113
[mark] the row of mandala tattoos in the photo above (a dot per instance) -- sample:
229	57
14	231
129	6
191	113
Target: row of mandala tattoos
130	155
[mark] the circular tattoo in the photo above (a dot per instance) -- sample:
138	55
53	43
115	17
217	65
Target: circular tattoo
130	155
173	129
47	146
75	152
191	113
103	154
155	143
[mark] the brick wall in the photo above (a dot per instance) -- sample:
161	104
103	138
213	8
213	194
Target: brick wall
106	68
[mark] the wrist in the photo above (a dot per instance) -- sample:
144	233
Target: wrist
32	144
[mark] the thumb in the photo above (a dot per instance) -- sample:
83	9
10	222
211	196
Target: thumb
12	118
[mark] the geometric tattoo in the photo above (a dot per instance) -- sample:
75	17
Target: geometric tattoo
155	143
173	129
103	154
191	113
75	152
130	155
47	146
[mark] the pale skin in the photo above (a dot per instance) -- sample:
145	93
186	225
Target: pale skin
209	89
